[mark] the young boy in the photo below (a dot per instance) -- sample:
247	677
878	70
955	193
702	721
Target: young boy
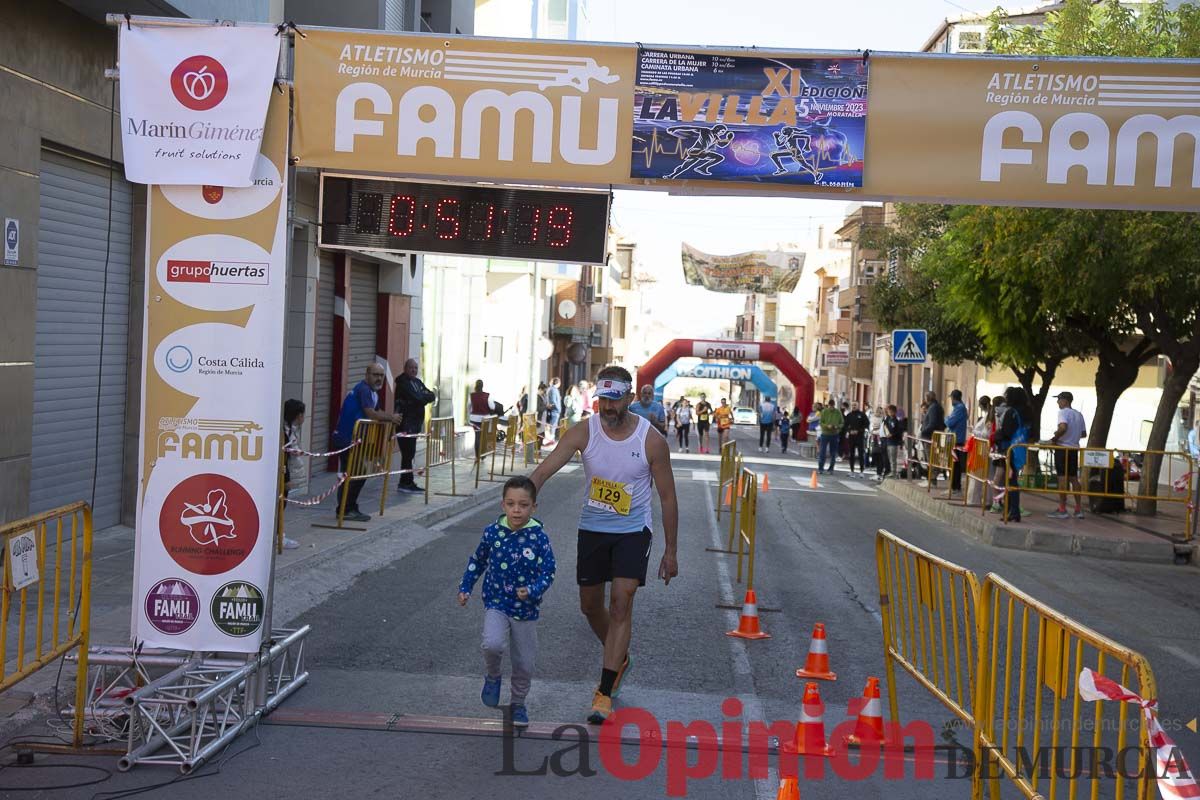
516	555
785	428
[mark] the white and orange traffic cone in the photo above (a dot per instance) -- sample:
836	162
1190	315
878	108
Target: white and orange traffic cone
789	789
812	481
810	730
766	483
748	624
817	664
728	495
869	726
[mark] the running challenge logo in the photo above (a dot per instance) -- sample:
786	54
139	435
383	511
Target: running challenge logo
226	272
209	524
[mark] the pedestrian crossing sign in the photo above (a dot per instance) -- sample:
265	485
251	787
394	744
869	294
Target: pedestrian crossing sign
909	347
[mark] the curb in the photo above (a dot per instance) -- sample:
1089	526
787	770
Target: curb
1024	537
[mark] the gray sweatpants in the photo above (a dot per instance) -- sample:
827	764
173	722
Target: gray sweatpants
501	632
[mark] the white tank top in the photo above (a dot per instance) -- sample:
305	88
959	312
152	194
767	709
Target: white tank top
618	475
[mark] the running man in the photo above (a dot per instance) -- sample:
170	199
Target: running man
724	416
795	143
621	461
704	412
701	155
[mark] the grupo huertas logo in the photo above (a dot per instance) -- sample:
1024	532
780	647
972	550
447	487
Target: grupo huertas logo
216	296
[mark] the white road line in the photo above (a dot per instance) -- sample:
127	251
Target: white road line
764	789
1182	654
858	487
860	491
704	475
568	468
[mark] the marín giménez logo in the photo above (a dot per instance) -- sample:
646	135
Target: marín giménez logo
199	82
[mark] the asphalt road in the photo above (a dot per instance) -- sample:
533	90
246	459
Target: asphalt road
396	643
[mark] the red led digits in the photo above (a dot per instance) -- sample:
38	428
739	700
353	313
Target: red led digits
481	221
560	226
448	212
525	231
402	216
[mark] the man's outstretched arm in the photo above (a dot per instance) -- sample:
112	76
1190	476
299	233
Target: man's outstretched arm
572	442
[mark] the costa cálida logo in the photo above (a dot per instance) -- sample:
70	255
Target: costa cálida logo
199	83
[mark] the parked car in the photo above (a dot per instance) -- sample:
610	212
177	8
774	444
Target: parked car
744	416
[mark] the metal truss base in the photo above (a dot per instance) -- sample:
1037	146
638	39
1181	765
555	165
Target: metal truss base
178	708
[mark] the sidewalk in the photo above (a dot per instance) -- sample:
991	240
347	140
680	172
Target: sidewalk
327	561
1123	537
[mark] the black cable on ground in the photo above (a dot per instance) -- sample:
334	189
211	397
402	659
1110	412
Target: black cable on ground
55	786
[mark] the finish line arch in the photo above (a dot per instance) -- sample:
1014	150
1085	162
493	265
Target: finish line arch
708	349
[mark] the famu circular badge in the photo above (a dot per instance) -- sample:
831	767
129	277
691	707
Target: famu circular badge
237	608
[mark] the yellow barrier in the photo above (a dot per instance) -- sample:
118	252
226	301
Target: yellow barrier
727	475
1027	704
531	441
439	451
485	445
979	472
1041	478
371	457
737	485
941	457
75	521
513	436
929	608
747	528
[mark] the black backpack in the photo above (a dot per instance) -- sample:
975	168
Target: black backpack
1111	481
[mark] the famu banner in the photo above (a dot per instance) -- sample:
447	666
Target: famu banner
1068	133
756	272
777	120
211	387
193	102
463	107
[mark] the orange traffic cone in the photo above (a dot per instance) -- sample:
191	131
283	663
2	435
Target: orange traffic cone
869	726
789	789
817	664
810	730
728	495
748	625
766	483
812	482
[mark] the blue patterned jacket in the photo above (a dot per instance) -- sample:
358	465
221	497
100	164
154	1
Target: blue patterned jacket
511	559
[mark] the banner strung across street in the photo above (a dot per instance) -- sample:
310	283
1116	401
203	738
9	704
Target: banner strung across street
211	385
467	107
194	101
757	272
708	116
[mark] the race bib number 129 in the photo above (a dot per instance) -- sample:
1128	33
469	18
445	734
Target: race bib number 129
609	496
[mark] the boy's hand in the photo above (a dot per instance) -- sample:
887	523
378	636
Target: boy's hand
463	597
523	593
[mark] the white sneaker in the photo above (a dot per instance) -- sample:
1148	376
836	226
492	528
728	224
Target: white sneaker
290	544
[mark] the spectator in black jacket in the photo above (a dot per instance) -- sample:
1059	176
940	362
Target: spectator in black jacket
855	429
934	420
411	398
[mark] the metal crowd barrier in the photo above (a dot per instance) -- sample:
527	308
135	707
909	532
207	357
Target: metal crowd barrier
1040	476
59	541
747	523
979	472
941	457
916	451
439	451
513	436
1030	722
371	457
929	608
728	475
531	439
485	445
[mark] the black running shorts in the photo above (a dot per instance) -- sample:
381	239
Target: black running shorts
702	426
604	556
1066	463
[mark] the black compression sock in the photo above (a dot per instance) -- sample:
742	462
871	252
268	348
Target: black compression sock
607	678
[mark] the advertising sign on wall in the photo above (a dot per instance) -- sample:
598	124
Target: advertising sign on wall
194	101
712	117
211	379
478	108
759	271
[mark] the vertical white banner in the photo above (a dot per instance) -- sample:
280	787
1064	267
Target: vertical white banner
194	101
211	385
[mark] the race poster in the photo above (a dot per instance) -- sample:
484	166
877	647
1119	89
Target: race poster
756	272
713	117
211	392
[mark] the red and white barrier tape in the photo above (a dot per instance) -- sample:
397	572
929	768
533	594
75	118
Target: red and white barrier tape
1182	483
317	500
296	451
1175	780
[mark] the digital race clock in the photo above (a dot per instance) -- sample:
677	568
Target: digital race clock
470	220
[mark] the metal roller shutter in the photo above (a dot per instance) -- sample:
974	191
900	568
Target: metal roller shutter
69	366
323	366
364	293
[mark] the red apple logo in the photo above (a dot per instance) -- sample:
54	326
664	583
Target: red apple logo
212	194
199	83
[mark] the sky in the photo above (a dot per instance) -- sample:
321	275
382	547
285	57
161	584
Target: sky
659	222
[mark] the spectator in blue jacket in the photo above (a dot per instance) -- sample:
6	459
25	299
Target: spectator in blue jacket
516	556
956	423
